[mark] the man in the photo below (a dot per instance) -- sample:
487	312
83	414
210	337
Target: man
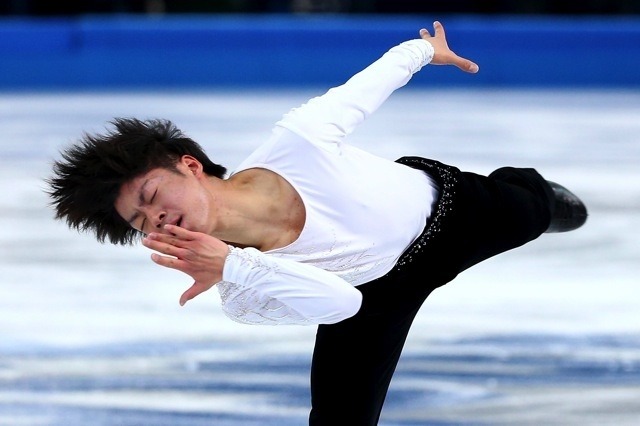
310	230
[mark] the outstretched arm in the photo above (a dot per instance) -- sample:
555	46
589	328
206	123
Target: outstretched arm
326	119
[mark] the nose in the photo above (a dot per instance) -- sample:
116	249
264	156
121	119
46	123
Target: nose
155	219
159	220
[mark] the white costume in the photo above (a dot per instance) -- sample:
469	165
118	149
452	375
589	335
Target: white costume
362	211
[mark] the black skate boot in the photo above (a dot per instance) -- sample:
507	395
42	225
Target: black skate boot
570	212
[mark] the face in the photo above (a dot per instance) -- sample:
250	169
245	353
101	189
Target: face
163	196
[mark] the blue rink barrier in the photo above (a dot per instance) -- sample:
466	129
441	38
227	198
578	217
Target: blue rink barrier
214	51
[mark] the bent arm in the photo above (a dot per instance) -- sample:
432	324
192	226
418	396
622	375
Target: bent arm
260	289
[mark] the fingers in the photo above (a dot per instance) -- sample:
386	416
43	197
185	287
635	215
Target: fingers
467	66
154	240
438	29
175	233
198	255
169	261
178	231
166	244
175	236
191	292
443	55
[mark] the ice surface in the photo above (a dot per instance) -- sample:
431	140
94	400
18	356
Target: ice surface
545	334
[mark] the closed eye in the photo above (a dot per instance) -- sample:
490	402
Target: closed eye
144	221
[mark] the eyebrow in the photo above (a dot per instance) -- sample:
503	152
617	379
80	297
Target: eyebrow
140	202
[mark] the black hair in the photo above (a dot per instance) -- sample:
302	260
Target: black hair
88	178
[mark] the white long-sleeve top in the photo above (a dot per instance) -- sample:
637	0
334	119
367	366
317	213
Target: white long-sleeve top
362	211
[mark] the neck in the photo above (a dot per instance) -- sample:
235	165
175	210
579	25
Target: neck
258	209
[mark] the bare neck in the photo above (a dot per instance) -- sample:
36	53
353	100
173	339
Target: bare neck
262	210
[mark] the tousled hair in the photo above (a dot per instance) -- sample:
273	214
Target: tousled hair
87	180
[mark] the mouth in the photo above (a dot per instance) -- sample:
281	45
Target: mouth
176	222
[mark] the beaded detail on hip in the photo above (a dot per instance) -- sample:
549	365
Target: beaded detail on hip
447	178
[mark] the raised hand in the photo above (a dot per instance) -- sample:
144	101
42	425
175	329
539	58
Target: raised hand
198	255
443	55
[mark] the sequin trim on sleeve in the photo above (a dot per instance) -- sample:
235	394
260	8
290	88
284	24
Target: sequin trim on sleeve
248	306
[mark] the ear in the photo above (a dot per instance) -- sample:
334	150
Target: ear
192	164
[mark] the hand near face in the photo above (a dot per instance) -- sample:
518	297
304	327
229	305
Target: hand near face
198	255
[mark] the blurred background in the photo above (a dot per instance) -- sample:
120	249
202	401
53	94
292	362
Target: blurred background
547	334
164	44
544	7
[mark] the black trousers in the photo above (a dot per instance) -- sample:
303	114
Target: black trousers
475	217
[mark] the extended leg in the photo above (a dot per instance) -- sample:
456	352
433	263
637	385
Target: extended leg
354	360
505	210
497	213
